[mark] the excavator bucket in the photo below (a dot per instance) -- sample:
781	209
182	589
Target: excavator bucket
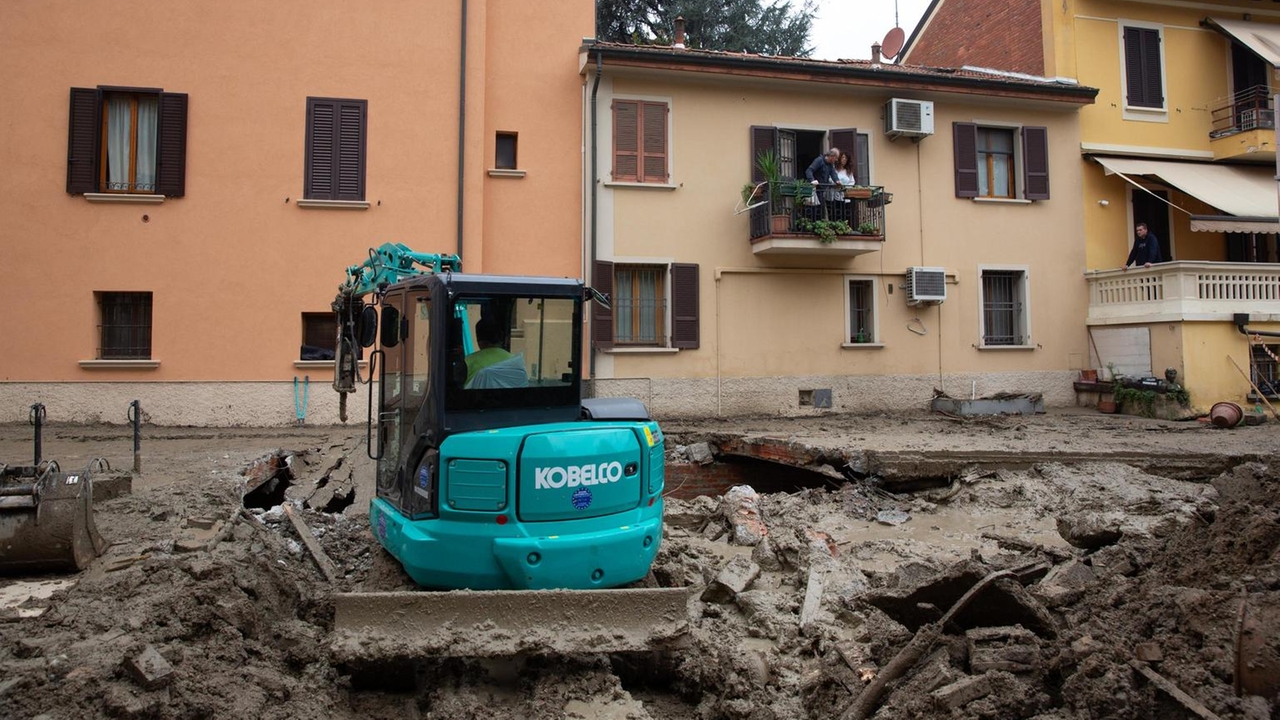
46	520
378	627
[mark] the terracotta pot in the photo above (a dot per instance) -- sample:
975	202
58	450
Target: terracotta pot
1107	406
861	193
1225	415
780	224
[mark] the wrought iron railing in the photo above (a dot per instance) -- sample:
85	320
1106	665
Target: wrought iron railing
798	204
1249	109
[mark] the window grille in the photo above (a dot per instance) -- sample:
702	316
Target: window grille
125	329
1002	307
861	312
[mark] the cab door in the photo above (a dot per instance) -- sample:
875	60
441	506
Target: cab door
405	390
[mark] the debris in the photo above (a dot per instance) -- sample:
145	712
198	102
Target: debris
1064	584
188	545
764	556
120	563
1005	602
700	453
202	523
150	669
1148	652
812	601
742	510
1011	649
892	518
309	539
1173	691
1091	530
962	692
736	577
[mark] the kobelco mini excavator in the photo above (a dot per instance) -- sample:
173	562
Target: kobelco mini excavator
495	478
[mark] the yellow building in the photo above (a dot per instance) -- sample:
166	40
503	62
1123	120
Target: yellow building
185	183
1181	138
958	268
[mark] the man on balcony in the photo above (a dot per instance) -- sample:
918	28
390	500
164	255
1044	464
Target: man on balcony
1146	249
822	175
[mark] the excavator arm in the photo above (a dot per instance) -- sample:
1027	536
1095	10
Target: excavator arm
387	264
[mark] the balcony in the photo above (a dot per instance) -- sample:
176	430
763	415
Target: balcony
1244	126
845	222
1183	290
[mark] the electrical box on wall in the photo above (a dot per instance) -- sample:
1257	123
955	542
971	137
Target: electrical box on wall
926	285
908	118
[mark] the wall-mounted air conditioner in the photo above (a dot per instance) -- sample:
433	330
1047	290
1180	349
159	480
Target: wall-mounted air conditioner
926	285
908	118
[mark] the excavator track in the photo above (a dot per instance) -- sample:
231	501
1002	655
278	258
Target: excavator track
382	626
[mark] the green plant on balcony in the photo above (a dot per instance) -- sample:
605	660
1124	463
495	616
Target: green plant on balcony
869	228
770	166
826	230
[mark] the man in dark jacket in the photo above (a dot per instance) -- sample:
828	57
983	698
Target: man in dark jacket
1146	249
822	175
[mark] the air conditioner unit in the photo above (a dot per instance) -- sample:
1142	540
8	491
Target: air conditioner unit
908	118
926	285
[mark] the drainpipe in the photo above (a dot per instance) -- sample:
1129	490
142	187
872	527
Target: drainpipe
591	262
1242	319
462	119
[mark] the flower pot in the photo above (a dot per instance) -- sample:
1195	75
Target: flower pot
1107	406
780	224
1225	415
860	193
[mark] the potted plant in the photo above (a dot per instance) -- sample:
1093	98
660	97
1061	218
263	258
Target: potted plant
862	192
869	228
770	167
826	230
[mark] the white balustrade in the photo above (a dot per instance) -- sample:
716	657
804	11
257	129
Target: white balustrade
1183	290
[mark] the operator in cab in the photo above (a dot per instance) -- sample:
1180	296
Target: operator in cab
492	366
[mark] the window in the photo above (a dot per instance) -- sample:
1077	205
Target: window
645	300
639	141
335	161
127	141
1004	317
1001	162
319	336
504	157
862	325
124	327
1143	68
1266	375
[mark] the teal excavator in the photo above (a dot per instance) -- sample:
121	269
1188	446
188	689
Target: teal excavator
496	479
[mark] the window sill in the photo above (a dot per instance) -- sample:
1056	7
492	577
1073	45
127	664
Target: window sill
1154	115
1012	201
334	204
641	351
861	346
642	186
119	364
303	364
506	172
124	198
1014	348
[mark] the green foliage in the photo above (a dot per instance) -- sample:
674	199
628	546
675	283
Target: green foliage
770	27
826	230
770	167
1143	402
869	228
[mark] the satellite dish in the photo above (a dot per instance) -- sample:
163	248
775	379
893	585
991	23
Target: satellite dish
892	44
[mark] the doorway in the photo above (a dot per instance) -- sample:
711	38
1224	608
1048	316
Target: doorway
1154	211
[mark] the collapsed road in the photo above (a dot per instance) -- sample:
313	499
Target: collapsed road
1060	566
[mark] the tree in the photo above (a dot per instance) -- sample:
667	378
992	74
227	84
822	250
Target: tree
769	27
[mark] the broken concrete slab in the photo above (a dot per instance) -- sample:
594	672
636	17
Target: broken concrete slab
1064	584
1003	602
1091	530
1148	652
764	556
689	514
892	518
700	453
736	577
812	601
961	692
742	511
149	669
1011	649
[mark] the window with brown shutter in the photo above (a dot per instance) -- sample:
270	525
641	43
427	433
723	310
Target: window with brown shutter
335	159
1144	84
640	141
964	138
127	140
684	306
1035	163
986	165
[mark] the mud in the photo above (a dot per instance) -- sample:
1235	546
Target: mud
203	607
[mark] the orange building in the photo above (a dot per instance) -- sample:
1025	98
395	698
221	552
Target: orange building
185	183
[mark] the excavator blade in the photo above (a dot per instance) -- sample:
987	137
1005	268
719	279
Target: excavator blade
376	627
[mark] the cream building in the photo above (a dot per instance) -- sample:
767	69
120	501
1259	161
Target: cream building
717	312
185	183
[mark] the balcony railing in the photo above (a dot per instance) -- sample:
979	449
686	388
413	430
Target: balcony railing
1183	290
1246	110
861	208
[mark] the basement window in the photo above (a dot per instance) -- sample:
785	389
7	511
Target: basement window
124	325
505	152
319	336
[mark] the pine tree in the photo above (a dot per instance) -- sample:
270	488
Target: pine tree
769	27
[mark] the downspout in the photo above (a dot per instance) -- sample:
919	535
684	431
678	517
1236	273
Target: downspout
591	260
1242	322
462	120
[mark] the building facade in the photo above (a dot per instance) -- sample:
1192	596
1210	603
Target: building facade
718	311
187	184
1181	138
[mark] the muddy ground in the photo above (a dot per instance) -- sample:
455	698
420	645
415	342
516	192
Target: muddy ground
1124	591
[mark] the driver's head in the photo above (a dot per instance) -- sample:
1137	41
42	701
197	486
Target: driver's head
488	332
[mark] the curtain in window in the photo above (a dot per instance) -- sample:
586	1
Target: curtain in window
648	306
119	128
622	309
148	116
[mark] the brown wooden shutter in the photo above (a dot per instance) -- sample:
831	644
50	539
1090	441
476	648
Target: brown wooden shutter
1035	163
83	133
1151	67
171	145
653	120
847	141
1143	84
965	145
352	120
626	141
601	316
318	176
684	306
763	139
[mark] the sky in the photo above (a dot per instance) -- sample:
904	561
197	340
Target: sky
847	28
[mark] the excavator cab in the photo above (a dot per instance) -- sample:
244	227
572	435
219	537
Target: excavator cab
491	474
